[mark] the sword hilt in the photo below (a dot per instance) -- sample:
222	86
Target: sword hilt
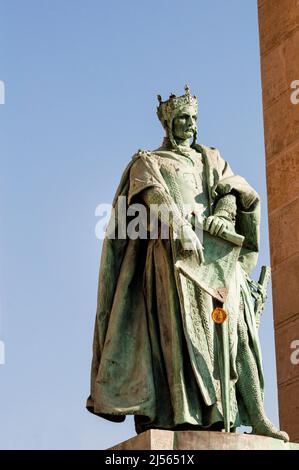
261	292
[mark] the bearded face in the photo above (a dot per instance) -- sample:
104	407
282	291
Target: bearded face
184	124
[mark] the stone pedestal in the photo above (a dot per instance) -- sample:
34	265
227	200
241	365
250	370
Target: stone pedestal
201	440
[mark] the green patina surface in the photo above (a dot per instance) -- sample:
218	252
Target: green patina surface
158	354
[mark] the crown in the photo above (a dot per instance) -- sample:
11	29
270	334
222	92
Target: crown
166	108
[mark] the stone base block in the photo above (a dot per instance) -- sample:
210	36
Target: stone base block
156	439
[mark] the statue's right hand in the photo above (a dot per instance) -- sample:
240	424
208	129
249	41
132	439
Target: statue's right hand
191	242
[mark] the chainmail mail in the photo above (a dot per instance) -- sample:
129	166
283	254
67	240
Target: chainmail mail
248	385
227	207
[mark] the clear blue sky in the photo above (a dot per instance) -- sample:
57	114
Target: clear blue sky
81	83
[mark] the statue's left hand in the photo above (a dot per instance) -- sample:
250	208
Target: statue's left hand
216	225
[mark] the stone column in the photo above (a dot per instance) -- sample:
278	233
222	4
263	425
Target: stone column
279	45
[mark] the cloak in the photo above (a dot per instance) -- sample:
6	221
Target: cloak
165	372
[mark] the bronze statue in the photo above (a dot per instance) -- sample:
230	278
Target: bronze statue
176	341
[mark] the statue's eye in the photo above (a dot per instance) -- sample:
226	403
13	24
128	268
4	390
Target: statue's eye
195	117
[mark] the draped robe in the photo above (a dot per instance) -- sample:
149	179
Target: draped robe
154	349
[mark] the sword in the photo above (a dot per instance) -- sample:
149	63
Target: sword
261	299
219	316
259	292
